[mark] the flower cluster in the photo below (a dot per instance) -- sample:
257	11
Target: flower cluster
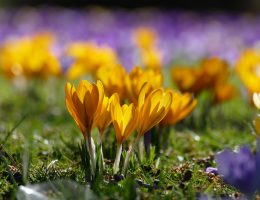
29	57
90	107
212	74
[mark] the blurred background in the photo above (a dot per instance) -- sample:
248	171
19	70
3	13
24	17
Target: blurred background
180	30
230	5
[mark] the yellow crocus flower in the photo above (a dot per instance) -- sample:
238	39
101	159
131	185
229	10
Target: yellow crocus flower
124	119
188	79
181	106
30	57
212	74
113	79
152	108
151	58
145	37
247	68
137	77
224	92
88	58
84	104
104	118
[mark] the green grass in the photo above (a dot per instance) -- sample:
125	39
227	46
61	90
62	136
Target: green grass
40	142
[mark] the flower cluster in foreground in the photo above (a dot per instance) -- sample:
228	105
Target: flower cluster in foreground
90	107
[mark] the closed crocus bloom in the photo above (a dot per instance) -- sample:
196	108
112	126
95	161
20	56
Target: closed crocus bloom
215	70
137	77
152	108
113	79
188	79
124	119
84	104
104	118
182	105
212	74
247	67
224	92
88	58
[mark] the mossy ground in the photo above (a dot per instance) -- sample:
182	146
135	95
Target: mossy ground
39	141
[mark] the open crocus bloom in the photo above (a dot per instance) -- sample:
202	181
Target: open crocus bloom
84	104
152	108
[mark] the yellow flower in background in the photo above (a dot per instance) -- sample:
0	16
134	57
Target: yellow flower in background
151	58
124	119
145	39
224	92
188	79
84	104
30	57
215	71
212	74
152	108
182	105
104	118
113	79
248	69
137	77
88	58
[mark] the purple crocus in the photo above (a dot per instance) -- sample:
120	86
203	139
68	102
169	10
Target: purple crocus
240	169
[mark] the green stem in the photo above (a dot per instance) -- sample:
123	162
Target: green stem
129	153
101	150
117	160
141	150
91	155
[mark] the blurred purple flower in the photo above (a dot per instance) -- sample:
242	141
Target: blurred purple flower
240	169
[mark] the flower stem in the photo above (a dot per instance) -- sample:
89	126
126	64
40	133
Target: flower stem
117	160
128	155
101	150
91	150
